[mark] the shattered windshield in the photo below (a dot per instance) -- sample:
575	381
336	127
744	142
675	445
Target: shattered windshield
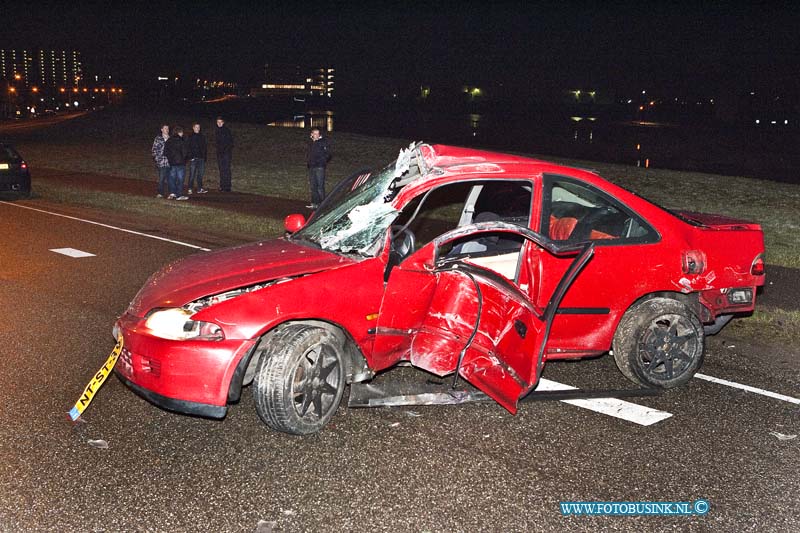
355	215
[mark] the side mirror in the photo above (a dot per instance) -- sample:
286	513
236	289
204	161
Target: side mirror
294	222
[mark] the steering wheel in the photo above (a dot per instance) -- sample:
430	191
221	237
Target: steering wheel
403	240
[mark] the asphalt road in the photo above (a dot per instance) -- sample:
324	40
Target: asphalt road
469	467
15	126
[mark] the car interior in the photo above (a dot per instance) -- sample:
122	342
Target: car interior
458	205
574	213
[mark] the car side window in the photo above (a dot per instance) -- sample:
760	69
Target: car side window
510	200
452	206
435	212
574	212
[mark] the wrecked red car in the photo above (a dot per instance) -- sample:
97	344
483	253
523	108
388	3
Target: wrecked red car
465	262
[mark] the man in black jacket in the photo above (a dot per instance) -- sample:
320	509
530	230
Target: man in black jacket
175	151
196	148
224	154
319	153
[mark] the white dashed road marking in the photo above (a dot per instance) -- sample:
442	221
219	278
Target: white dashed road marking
72	252
631	412
748	388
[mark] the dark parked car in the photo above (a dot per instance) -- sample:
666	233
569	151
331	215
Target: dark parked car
15	177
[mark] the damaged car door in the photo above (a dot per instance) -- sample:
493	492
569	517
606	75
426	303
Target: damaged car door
446	314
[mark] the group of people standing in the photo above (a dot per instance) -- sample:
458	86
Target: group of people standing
172	154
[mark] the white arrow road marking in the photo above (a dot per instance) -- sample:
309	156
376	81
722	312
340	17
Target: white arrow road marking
72	252
748	388
638	414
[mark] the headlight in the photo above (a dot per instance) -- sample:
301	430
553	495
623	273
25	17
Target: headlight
175	324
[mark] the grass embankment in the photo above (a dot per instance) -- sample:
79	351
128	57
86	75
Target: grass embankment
771	325
147	208
267	161
271	161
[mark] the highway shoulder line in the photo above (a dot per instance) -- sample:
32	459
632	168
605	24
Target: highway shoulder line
109	226
748	388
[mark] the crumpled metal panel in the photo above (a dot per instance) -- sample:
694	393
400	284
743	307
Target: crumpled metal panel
499	358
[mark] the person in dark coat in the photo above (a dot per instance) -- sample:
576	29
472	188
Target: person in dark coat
224	154
196	149
175	151
319	153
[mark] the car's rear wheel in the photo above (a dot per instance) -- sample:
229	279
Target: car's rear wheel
659	343
300	379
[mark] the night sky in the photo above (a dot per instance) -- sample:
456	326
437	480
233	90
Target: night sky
674	47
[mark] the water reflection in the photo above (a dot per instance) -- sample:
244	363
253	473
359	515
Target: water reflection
760	151
583	129
474	123
582	135
323	120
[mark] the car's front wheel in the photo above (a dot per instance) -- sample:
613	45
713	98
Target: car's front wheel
300	379
659	343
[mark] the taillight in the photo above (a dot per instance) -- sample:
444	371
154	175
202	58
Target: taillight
757	268
694	262
23	165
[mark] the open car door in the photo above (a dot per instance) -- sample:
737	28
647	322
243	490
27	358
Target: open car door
448	315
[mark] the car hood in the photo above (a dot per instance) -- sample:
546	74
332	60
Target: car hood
206	274
718	221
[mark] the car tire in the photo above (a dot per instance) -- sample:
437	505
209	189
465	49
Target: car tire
300	379
659	343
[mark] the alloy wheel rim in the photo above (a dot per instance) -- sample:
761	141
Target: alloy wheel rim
315	382
668	348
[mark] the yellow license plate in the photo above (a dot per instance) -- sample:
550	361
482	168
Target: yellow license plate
3	166
97	380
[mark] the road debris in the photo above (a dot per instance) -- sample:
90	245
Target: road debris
264	526
781	436
98	443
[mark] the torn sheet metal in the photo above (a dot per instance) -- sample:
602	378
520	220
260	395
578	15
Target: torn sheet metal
394	394
403	163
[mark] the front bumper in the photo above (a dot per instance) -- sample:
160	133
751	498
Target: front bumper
171	404
192	377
